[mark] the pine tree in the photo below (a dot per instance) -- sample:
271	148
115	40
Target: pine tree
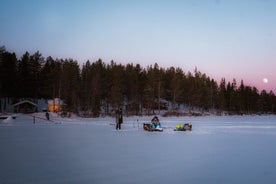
70	80
222	95
8	74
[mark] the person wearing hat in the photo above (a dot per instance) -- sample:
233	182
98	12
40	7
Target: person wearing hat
155	123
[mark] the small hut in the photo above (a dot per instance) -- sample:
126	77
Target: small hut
25	106
55	105
162	103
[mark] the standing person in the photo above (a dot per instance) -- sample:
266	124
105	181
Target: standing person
119	118
47	115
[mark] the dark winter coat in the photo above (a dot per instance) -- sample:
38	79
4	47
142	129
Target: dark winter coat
119	116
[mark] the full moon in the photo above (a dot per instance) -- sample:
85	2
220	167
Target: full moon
265	80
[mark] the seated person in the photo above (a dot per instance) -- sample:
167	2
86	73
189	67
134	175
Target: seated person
178	126
155	122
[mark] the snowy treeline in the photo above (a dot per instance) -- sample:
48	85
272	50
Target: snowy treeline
97	88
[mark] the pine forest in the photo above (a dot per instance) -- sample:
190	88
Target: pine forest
97	88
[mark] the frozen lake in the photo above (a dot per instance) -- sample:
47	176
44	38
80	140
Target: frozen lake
235	149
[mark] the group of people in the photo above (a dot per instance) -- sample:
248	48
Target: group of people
155	124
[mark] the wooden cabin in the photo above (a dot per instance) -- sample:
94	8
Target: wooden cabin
25	106
55	105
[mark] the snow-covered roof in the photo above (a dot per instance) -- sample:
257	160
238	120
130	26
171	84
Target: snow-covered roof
56	101
25	101
161	100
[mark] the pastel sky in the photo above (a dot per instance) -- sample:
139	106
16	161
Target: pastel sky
222	38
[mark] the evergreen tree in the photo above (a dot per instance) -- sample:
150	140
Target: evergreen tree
8	74
173	80
117	85
96	90
35	63
70	80
222	95
132	89
25	77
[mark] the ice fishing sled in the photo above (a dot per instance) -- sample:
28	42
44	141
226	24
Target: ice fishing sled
185	127
147	127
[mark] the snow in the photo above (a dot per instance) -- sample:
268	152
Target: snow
226	149
8	119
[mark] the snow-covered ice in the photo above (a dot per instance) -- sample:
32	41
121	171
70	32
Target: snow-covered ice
227	149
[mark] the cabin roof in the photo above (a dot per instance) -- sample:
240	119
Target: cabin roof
25	101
